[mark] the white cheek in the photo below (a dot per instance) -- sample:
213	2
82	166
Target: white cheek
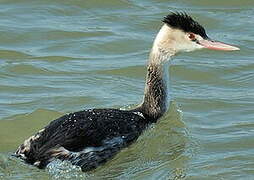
187	47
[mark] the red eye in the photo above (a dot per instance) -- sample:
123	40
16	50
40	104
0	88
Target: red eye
192	36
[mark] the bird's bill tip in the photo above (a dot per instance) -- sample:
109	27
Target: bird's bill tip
215	45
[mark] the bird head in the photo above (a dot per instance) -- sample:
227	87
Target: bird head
180	33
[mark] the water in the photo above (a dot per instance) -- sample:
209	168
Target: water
63	56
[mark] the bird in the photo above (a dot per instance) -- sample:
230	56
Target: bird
91	137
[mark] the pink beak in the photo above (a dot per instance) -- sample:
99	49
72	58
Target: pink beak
209	44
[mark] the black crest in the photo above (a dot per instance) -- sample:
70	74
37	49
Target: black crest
184	22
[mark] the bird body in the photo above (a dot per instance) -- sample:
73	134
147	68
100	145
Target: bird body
91	137
94	134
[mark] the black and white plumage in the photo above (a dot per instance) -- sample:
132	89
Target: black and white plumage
91	137
86	138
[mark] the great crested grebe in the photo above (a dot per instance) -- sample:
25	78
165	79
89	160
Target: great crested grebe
91	137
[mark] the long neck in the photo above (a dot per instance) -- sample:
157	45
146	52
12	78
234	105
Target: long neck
155	102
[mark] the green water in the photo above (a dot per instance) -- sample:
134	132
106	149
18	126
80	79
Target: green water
63	56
